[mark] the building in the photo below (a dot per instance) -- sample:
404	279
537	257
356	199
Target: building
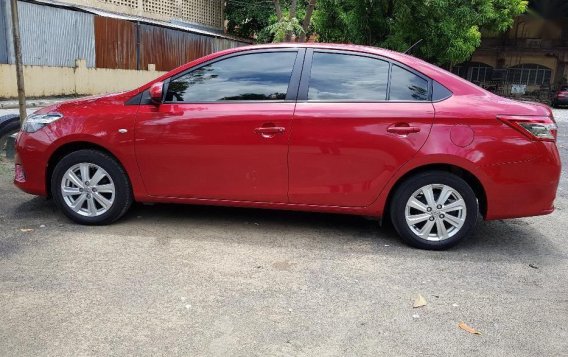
76	47
203	13
528	59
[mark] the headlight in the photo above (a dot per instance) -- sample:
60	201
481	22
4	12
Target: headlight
35	122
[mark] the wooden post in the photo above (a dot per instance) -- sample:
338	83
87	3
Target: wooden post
18	57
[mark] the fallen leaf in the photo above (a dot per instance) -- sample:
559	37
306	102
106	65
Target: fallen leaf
419	301
468	328
25	230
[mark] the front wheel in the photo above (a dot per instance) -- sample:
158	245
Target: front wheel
434	210
90	187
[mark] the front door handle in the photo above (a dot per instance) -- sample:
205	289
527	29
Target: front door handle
269	131
403	129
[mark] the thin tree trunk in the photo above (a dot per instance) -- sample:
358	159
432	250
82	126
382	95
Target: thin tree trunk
307	20
278	9
291	15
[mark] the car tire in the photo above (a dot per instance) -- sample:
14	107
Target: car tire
6	129
443	210
91	187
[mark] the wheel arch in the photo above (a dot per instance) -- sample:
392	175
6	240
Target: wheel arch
472	180
70	147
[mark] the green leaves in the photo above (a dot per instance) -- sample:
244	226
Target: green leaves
280	28
450	29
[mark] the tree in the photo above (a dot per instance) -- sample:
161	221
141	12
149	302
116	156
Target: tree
270	20
450	29
250	19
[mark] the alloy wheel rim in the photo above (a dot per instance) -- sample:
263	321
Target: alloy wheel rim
88	190
435	212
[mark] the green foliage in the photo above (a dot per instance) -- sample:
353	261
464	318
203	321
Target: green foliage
450	29
280	28
250	19
257	19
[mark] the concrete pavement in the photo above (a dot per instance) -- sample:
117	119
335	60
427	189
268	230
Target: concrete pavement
205	281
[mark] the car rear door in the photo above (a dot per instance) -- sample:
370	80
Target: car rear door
358	119
223	129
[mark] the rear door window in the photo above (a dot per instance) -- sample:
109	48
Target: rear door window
407	86
343	77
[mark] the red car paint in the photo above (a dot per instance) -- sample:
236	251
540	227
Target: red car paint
313	156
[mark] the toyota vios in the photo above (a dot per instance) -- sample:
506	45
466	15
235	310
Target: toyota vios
330	128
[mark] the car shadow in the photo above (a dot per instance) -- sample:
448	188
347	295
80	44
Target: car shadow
492	240
516	239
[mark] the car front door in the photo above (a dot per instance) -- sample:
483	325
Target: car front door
222	131
358	119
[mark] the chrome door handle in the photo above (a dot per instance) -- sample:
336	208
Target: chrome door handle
269	131
403	130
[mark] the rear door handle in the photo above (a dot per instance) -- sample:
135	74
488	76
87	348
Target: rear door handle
403	130
269	131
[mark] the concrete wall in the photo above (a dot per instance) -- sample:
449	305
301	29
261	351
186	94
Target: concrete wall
44	81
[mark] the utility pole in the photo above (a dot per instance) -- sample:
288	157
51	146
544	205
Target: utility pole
18	56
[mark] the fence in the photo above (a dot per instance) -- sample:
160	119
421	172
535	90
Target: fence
55	36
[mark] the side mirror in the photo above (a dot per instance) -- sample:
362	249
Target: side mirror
156	92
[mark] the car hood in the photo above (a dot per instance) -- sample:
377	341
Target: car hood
84	102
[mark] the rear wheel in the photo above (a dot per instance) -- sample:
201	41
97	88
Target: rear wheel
90	187
434	210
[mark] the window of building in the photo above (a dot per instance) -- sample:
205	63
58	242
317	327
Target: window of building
529	74
475	72
255	76
347	77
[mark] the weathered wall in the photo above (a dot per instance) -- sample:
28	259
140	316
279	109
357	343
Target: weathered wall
42	81
115	43
3	33
52	36
128	45
203	12
55	36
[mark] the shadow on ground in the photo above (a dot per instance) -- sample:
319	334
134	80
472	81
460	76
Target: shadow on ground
493	241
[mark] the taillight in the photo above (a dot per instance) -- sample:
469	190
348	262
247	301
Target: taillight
534	127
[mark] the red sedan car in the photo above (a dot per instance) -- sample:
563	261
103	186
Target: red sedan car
330	128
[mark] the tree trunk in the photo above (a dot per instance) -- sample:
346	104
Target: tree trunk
292	14
278	9
307	20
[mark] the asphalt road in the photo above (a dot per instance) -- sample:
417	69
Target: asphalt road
202	281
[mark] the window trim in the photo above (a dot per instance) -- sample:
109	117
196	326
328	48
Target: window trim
291	92
306	76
